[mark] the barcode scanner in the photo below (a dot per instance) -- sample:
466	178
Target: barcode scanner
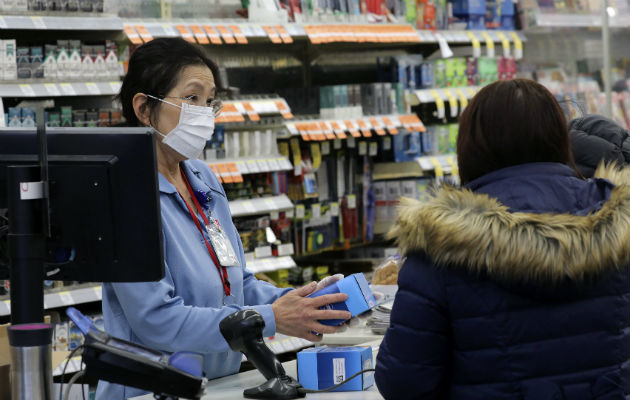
242	331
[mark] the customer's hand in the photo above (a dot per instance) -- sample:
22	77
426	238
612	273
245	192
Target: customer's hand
298	315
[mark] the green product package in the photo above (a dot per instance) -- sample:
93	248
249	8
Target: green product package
451	65
440	73
443	139
462	79
411	11
453	129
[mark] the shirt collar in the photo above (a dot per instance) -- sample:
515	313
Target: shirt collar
196	183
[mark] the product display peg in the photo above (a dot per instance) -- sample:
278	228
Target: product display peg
242	331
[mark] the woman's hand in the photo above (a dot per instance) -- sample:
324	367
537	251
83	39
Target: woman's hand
298	315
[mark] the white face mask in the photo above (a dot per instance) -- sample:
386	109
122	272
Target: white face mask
195	128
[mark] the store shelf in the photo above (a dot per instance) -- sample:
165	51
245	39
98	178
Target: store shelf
235	32
429	95
464	37
558	20
327	129
50	89
254	165
62	298
252	110
265	205
270	264
446	162
78	23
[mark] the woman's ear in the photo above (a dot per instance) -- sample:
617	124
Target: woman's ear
141	108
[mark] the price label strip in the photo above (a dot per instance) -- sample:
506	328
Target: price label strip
475	43
273	35
38	22
354	132
238	34
144	33
364	128
391	127
132	35
505	43
93	88
185	33
52	89
27	90
452	102
200	35
489	43
285	111
463	100
212	34
251	113
439	102
518	46
226	34
284	35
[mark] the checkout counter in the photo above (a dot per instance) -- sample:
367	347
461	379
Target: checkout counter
231	387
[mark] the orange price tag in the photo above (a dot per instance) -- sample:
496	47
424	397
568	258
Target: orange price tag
251	113
377	126
390	126
224	173
273	35
284	35
365	129
302	128
327	130
186	34
234	172
341	134
352	128
200	35
144	33
212	34
133	36
284	109
226	35
238	34
216	171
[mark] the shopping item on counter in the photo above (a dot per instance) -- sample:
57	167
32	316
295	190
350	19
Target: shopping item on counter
322	367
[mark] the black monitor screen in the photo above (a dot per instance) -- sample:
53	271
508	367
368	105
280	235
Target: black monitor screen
104	201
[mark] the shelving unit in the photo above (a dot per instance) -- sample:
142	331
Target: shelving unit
58	89
445	162
87	293
78	23
260	206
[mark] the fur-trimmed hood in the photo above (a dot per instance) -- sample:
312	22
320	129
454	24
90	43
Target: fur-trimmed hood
458	228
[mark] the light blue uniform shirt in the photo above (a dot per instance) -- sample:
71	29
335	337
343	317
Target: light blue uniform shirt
182	311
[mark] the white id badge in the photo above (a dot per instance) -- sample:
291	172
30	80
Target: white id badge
222	245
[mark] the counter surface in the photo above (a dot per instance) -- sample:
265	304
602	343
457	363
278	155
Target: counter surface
231	387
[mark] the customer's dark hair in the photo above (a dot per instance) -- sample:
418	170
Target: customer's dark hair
154	68
510	123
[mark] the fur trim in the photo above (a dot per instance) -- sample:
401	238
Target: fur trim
461	229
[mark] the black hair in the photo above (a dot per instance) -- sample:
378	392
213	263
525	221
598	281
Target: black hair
510	123
154	68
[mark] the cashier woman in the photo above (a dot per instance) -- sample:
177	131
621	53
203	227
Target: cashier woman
171	87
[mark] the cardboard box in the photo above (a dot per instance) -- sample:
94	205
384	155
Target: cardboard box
360	297
322	367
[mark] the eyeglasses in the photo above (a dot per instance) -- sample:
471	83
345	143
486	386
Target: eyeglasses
193	100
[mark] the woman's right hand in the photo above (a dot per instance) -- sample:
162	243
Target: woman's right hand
298	315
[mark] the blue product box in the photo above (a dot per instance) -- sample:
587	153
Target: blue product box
322	367
475	22
360	297
14	117
507	23
407	146
28	117
468	7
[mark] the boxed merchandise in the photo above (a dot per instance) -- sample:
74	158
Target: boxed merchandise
323	367
380	202
23	60
10	59
91	119
15	117
66	116
393	198
78	118
360	297
406	145
37	62
499	13
28	117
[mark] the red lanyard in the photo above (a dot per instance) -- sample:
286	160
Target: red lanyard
220	268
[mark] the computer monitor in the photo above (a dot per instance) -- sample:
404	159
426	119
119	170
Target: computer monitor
103	199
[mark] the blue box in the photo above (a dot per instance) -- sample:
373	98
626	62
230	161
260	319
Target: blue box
407	146
468	7
507	23
322	367
360	297
475	22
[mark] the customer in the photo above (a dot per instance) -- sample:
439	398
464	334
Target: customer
171	86
595	138
518	285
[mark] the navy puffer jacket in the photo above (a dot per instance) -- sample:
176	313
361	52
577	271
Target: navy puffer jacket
515	288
